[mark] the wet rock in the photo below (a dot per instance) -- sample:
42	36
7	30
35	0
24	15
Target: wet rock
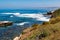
5	23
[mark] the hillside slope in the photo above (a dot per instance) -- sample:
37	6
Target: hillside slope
46	31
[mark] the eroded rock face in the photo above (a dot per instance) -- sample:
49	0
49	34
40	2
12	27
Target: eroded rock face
5	23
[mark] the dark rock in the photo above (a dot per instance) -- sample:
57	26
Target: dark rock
43	35
5	23
49	13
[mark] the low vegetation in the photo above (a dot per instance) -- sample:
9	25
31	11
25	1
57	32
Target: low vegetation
56	13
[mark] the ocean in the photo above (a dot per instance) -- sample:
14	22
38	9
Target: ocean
21	18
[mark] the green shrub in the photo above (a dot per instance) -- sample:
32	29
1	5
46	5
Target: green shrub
45	23
34	25
23	32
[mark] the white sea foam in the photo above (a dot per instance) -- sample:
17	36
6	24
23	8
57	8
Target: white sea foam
38	17
22	23
43	19
11	13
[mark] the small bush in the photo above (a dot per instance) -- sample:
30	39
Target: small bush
43	34
45	23
23	32
34	25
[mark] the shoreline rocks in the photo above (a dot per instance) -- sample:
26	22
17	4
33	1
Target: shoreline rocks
5	23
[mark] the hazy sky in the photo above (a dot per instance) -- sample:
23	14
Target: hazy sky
29	3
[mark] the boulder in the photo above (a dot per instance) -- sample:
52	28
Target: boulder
5	23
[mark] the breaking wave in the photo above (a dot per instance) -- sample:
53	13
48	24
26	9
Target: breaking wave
38	17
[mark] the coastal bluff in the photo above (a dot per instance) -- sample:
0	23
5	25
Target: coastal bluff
45	31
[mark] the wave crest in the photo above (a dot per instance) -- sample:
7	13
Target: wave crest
38	17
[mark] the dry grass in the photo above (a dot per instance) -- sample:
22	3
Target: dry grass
47	31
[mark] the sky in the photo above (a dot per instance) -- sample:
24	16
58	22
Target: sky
28	3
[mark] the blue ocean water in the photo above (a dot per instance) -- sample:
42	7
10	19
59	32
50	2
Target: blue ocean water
21	18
